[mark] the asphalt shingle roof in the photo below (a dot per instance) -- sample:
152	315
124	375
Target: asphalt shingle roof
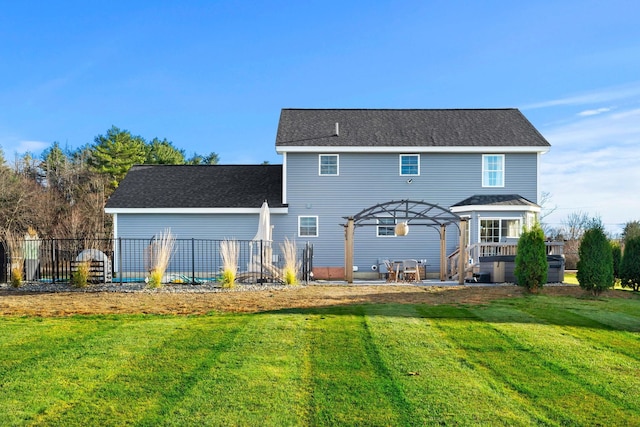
496	200
201	186
407	128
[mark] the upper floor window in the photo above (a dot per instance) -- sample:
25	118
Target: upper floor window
386	227
308	226
409	164
493	170
328	164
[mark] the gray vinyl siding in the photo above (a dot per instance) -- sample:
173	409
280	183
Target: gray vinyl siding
367	179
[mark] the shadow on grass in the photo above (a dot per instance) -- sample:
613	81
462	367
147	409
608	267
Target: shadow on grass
605	313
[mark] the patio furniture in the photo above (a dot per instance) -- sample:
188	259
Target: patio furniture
410	271
392	270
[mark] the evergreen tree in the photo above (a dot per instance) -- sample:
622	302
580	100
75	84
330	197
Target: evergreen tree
630	265
163	153
616	253
595	268
113	154
531	260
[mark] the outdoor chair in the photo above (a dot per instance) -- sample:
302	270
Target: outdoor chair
410	271
392	272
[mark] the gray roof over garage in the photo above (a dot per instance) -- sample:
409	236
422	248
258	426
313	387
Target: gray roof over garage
199	186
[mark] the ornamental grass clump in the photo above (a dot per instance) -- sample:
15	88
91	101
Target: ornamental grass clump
291	264
80	277
229	254
16	251
159	255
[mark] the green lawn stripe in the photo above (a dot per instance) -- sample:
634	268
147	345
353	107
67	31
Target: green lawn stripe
591	366
158	371
346	386
559	375
256	380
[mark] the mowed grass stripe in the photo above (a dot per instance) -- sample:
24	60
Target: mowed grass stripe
553	380
257	380
450	389
71	357
169	354
585	353
348	386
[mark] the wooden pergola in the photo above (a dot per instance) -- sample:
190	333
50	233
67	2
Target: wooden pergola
412	212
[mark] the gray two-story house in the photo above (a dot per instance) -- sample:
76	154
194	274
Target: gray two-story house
429	169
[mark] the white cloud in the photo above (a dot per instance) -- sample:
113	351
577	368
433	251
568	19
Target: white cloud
631	90
21	147
594	112
594	167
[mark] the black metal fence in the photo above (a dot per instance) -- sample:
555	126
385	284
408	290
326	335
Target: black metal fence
128	260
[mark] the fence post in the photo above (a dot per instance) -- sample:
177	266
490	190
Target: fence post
262	281
193	261
120	259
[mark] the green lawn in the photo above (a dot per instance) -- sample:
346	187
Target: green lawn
535	360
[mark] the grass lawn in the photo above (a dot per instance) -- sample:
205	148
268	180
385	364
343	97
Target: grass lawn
536	360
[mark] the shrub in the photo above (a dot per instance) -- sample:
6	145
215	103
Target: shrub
15	245
16	277
80	277
531	264
291	264
229	254
630	264
616	253
595	268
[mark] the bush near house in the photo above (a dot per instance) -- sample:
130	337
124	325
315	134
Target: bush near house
595	268
531	260
630	265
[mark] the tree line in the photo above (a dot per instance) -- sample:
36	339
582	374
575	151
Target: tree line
62	193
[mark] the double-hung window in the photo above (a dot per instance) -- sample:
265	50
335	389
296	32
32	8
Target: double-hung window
409	164
328	164
493	170
307	226
386	227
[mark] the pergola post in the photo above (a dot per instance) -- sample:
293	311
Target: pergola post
443	253
348	250
462	260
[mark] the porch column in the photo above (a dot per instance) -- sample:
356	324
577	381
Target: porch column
443	253
462	260
348	250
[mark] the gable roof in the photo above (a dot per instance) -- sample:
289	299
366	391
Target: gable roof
439	128
199	186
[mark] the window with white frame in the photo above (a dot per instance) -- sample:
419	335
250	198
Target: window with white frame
495	230
307	226
386	227
493	170
409	164
328	164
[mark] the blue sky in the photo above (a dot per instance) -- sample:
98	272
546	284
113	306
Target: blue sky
214	75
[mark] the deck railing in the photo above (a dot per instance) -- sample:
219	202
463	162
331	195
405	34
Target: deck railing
477	250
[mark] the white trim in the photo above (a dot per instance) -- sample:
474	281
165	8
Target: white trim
495	208
404	149
115	226
337	156
284	178
504	172
378	225
116	211
317	225
400	164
